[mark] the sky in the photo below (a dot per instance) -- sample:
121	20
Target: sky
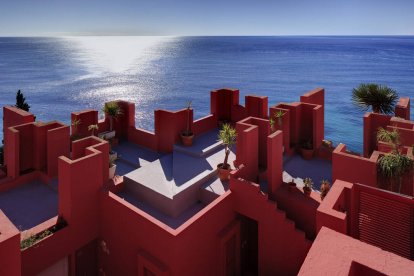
206	17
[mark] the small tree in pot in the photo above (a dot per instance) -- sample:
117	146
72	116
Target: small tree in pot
308	184
187	135
228	136
394	165
93	128
325	187
113	111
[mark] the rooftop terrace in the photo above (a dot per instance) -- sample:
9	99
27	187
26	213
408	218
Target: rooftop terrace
30	204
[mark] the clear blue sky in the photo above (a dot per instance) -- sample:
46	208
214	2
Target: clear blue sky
206	17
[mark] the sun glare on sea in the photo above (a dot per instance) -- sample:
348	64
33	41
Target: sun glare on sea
114	54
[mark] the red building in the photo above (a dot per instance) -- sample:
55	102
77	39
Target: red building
167	212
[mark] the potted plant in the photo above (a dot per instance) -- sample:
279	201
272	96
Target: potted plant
307	150
228	136
393	165
308	184
187	135
292	185
278	115
93	128
113	111
325	187
75	123
112	167
380	98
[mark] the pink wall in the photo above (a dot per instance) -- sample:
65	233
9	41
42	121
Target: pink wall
248	147
9	247
274	163
169	125
204	124
402	109
373	121
263	132
354	169
87	117
13	116
275	231
285	128
333	253
334	211
256	106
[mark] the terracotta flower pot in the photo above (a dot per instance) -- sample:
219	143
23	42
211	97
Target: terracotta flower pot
292	186
223	173
307	154
307	191
112	171
187	139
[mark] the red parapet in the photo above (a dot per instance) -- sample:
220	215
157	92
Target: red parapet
10	261
402	109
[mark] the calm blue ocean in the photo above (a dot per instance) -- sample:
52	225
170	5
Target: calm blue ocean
60	75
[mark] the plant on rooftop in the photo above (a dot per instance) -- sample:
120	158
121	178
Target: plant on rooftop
187	135
21	101
380	98
75	124
393	165
228	136
325	187
93	128
308	184
113	111
112	166
277	117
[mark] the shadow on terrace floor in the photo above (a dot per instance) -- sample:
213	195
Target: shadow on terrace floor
317	169
132	156
30	204
170	221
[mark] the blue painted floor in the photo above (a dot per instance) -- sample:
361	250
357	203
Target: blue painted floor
29	205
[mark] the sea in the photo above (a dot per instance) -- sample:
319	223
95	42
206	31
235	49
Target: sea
58	75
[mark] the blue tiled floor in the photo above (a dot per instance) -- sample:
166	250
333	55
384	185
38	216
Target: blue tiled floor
29	205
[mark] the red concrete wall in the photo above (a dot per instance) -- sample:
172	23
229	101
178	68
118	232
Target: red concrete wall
169	125
402	108
87	117
274	163
247	149
334	210
256	106
333	253
12	152
387	220
274	231
263	132
57	145
315	96
285	128
354	169
299	208
180	251
373	121
26	141
222	101
144	138
204	124
13	116
10	260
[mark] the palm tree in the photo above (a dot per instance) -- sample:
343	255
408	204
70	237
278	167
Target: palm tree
228	136
394	165
21	101
380	98
113	110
